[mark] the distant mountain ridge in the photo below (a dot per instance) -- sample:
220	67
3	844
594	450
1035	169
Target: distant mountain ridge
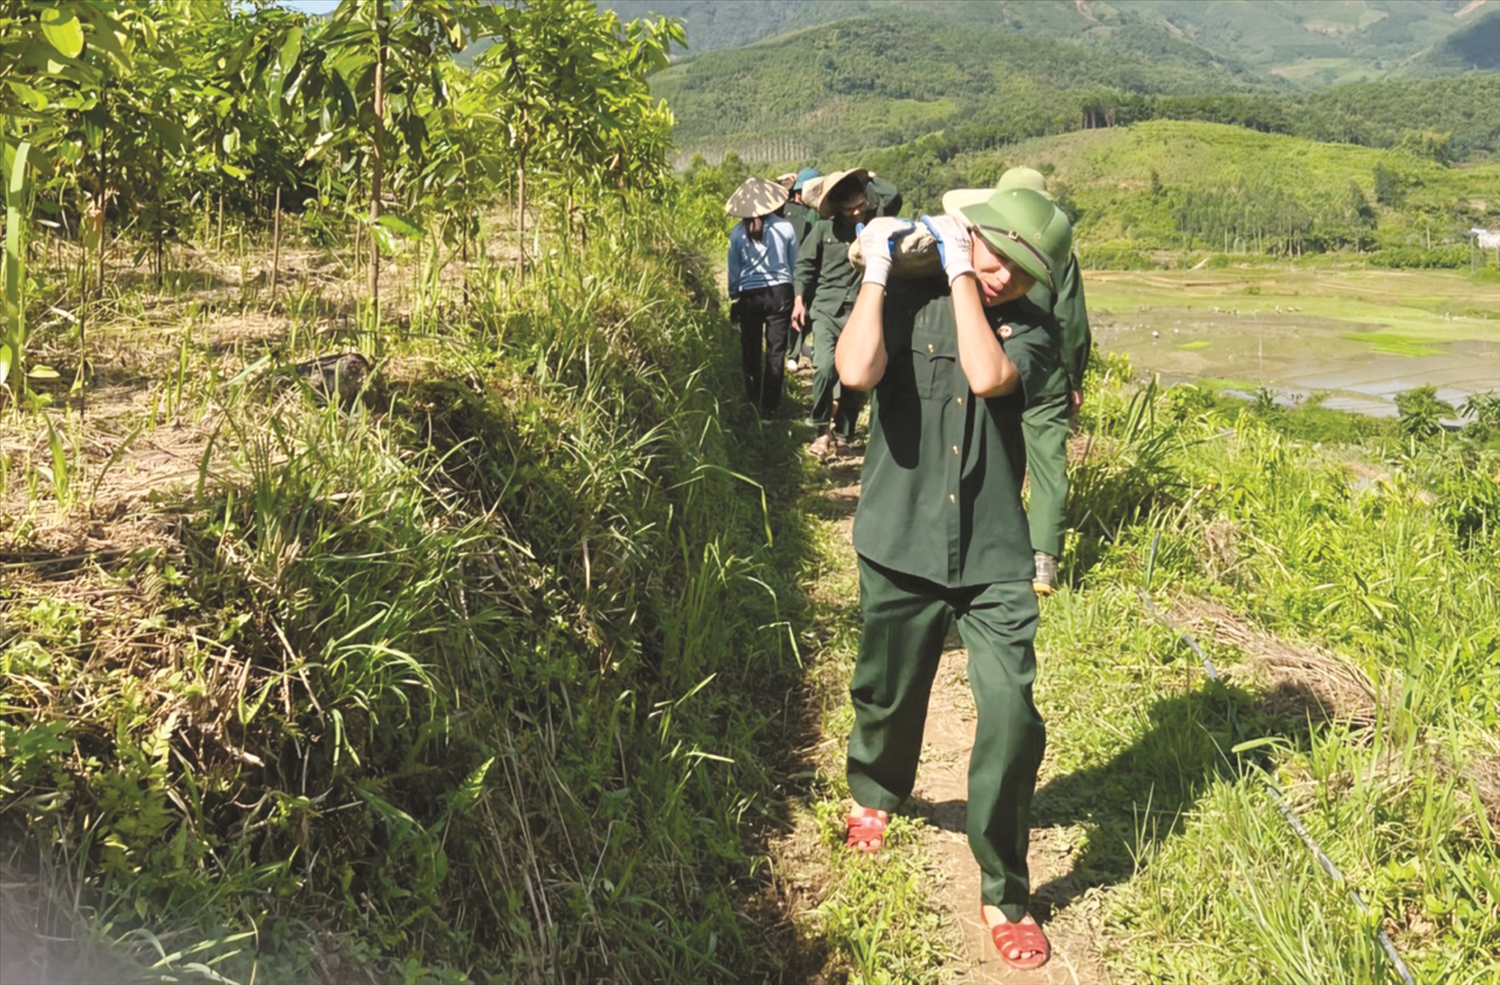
895	75
1474	47
1310	42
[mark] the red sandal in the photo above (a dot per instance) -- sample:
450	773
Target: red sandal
1018	937
865	829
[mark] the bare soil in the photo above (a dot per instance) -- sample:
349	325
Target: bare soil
1070	914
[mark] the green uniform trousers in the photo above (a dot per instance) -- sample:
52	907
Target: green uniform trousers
906	619
825	383
1046	425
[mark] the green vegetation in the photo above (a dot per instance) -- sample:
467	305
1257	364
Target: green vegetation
450	659
829	88
1170	185
1303	568
390	592
1300	39
1306	550
1474	46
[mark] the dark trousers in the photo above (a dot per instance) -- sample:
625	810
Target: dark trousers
765	317
825	383
905	621
1046	425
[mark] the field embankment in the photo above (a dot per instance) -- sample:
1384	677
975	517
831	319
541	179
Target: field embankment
455	658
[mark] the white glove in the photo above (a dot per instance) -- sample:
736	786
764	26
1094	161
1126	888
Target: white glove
875	241
954	245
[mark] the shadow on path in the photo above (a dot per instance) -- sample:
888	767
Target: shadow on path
1134	801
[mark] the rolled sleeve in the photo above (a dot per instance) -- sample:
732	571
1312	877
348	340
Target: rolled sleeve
1031	351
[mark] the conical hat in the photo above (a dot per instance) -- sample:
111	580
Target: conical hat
756	196
788	180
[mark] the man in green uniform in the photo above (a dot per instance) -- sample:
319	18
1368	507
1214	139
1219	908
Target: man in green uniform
1048	418
940	531
798	212
885	198
802	217
825	285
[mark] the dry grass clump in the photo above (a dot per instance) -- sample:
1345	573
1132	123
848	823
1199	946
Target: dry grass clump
1301	682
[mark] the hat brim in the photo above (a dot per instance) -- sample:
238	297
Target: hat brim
825	201
971	207
756	197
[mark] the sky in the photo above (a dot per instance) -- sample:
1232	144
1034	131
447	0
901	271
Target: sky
311	6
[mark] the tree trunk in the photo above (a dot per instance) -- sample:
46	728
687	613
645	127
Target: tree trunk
220	247
276	244
158	222
521	212
376	163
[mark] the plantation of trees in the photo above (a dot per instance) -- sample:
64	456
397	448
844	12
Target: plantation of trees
149	121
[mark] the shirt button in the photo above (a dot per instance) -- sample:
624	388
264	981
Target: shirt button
960	401
955	449
929	347
952	498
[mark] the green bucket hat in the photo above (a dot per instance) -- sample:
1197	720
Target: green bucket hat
1019	224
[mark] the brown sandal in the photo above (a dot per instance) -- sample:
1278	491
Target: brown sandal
865	829
1019	937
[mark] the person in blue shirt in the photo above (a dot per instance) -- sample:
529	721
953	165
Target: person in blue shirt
762	255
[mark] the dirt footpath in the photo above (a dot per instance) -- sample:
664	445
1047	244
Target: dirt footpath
941	796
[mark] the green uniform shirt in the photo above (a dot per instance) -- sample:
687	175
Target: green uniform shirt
802	218
883	196
1075	338
825	279
941	488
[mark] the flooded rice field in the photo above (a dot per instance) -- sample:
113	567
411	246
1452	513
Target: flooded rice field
1357	336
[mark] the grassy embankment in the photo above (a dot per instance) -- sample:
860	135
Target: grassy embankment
1178	186
1347	591
479	675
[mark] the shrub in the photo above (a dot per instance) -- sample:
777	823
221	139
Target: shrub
1422	412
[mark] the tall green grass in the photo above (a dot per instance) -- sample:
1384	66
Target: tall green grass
1380	557
458	683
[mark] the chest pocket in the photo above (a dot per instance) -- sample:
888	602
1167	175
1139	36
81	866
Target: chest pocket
932	370
934	352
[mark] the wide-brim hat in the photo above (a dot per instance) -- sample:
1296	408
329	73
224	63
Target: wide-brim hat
825	201
788	180
755	197
812	191
1019	224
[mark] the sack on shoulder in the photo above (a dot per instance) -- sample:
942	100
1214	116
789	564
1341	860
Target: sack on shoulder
915	255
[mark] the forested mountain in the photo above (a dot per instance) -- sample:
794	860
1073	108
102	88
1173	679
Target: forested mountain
1168	184
895	76
886	79
1312	41
1477	46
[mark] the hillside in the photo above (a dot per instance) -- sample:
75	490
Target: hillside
1312	42
1476	46
885	79
1173	184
